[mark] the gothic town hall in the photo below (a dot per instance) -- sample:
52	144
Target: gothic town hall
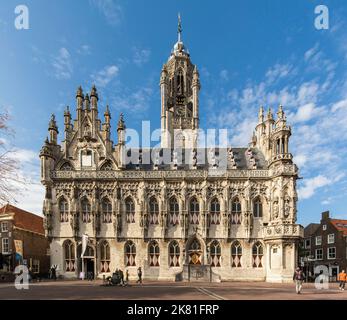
171	211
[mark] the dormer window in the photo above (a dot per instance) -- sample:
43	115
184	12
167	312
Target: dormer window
87	158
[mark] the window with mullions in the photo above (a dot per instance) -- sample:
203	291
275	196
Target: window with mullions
130	254
257	208
215	251
215	211
174	254
105	257
64	210
236	211
86	210
70	261
257	255
173	212
154	254
153	211
130	211
236	255
194	211
106	211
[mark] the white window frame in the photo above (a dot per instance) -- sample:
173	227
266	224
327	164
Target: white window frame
35	265
328	253
328	239
3	240
318	243
324	227
316	256
3	228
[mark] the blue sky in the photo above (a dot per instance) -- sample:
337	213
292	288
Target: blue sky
249	53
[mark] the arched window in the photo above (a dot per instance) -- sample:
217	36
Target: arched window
105	257
174	212
194	211
86	210
257	208
64	210
130	254
236	254
69	254
130	210
174	254
106	210
107	166
215	211
236	211
66	166
153	211
215	251
180	82
154	253
257	255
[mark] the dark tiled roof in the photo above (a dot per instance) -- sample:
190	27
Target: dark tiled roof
241	157
310	229
24	219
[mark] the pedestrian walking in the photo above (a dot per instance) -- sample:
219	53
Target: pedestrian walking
127	276
342	278
121	276
139	275
298	277
54	273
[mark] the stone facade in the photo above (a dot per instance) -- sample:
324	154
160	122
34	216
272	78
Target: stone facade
217	214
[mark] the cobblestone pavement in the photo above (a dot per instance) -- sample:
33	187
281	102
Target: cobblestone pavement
76	290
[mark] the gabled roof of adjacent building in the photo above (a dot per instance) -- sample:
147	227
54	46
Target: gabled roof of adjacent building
310	229
23	219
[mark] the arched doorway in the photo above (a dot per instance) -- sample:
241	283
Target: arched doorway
194	252
88	261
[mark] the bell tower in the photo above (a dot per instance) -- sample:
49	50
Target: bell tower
179	86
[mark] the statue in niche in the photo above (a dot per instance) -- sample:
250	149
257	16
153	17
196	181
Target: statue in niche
286	207
275	209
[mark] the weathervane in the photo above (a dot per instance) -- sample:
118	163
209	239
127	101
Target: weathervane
179	29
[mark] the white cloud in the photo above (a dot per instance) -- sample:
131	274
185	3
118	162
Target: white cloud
312	184
84	50
111	10
136	102
62	64
277	72
105	76
141	56
307	112
224	75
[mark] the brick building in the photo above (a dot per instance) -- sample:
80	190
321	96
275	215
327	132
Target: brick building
325	244
22	241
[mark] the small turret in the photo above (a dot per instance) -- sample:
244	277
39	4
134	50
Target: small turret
121	140
87	102
53	130
67	118
94	98
107	115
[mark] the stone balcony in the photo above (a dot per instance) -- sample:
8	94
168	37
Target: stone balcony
283	231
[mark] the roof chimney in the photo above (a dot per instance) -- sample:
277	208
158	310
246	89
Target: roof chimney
325	215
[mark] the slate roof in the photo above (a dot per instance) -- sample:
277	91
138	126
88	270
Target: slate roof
242	157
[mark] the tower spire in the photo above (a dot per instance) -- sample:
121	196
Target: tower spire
179	27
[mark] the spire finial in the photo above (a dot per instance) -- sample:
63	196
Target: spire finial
179	28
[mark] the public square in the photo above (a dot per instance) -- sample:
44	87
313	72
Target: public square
82	290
